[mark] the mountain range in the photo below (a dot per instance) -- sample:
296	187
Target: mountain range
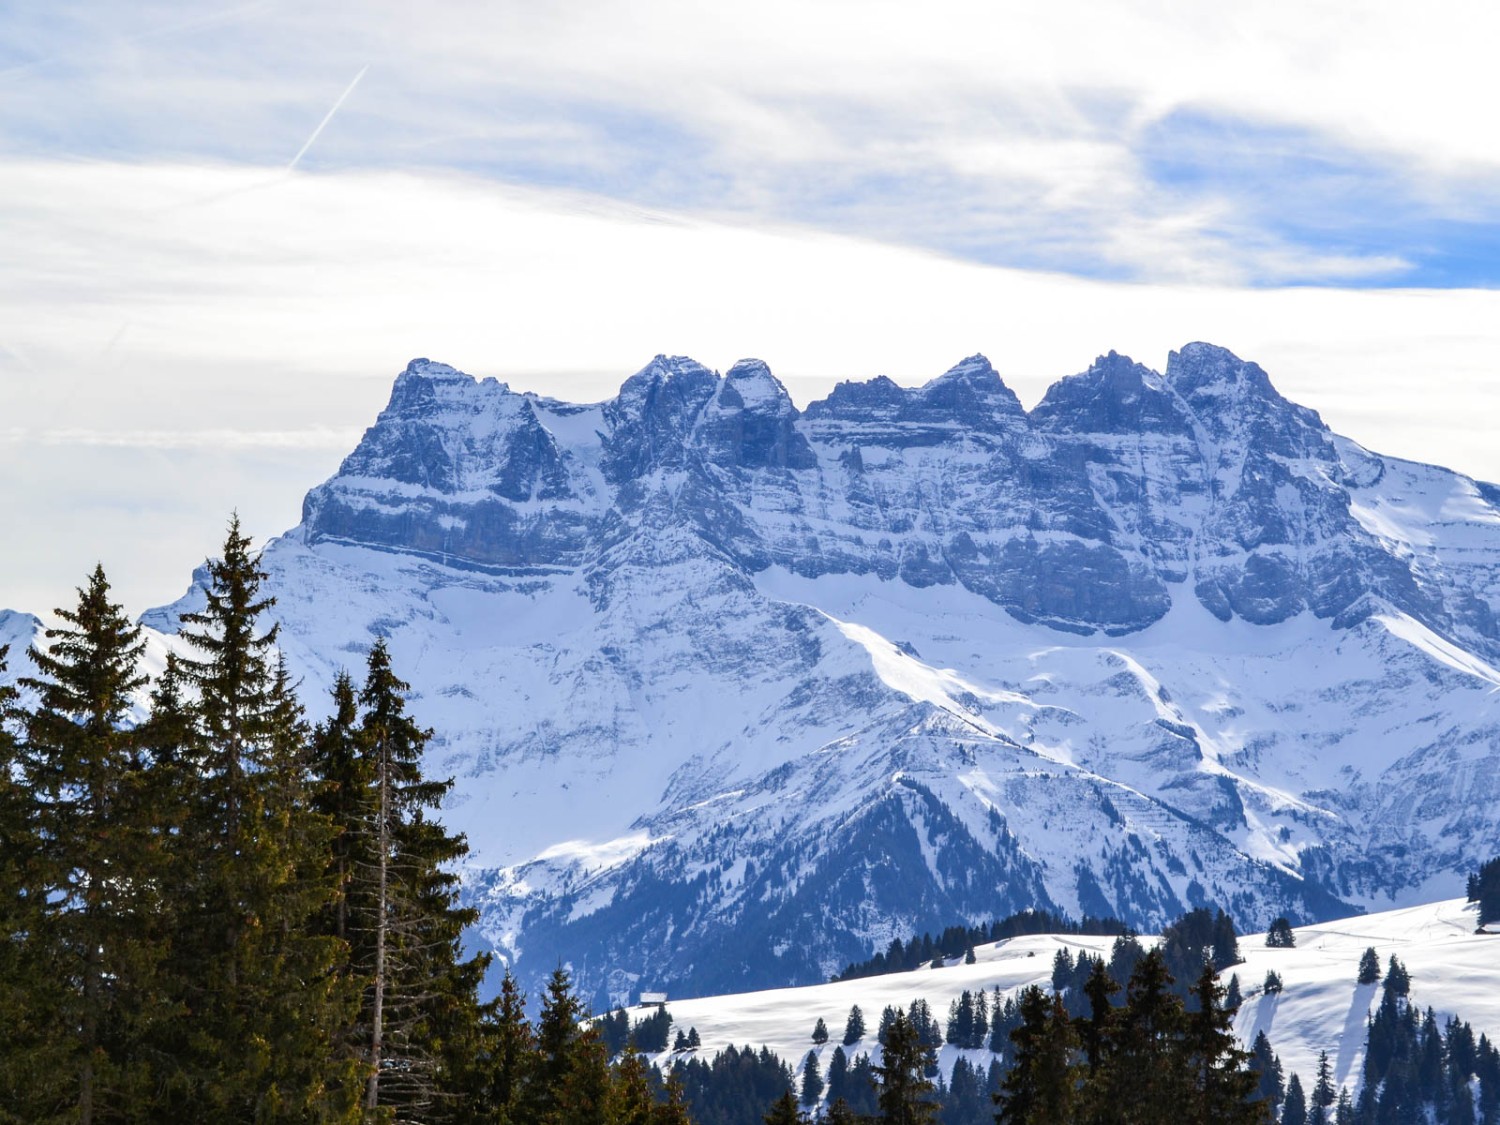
736	692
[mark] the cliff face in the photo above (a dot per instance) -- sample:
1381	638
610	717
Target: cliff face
742	690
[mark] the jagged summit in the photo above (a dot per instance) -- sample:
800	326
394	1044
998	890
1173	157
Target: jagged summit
716	673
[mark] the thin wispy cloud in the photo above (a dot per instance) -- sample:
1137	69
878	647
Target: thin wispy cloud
1029	137
342	98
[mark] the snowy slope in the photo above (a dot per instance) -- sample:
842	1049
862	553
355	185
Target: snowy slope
715	674
1321	1007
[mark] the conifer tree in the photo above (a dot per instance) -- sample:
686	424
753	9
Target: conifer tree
18	1005
672	1109
812	1080
1042	1085
630	1101
254	979
1144	1076
784	1111
97	867
820	1032
1369	967
509	1051
854	1028
1280	935
1267	1067
1294	1108
1222	1085
419	1020
905	1091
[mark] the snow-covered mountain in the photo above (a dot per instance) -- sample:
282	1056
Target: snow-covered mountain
735	692
1321	1007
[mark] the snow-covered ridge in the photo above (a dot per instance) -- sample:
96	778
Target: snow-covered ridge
1454	971
715	673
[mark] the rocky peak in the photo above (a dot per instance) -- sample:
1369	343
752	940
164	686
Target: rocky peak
1115	395
654	413
751	422
970	393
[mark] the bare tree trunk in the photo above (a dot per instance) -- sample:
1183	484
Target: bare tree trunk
382	924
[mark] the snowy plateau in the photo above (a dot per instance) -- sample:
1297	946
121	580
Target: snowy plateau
735	693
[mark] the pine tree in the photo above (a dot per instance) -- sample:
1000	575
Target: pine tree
854	1028
1323	1093
812	1080
784	1111
560	1063
1042	1085
255	980
418	1026
508	1054
1222	1084
1280	935
98	866
1294	1108
820	1032
1144	1076
905	1091
1369	967
672	1109
25	1062
1269	1088
630	1101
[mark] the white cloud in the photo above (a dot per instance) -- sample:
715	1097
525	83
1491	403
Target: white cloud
197	339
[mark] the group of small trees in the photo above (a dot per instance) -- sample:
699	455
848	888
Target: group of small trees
1151	1059
1484	888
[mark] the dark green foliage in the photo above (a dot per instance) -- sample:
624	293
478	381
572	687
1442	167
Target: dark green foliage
93	866
1484	888
1397	979
1272	987
968	1021
649	1035
734	1087
854	1027
1232	998
1294	1108
1280	935
1198	935
1369	967
820	1032
959	941
1269	1087
784	1111
812	1080
249	967
1043	1084
906	1093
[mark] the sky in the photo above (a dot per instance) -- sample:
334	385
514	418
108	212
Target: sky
227	228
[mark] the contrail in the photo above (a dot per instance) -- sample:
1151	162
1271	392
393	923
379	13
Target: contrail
301	152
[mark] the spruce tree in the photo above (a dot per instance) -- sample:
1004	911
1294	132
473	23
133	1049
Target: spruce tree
1144	1076
1294	1108
905	1091
1222	1085
1280	935
854	1027
820	1032
98	869
1369	967
419	1020
1042	1086
509	1054
784	1111
33	1056
262	1005
812	1080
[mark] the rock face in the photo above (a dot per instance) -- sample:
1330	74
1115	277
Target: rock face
735	692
